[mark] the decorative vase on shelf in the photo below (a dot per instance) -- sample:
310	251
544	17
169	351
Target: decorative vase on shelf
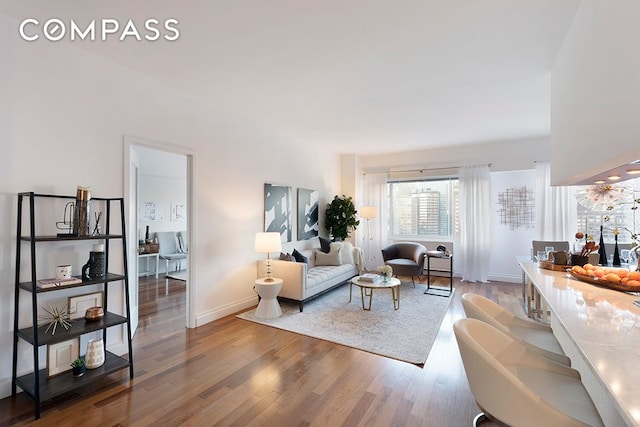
601	250
616	254
95	353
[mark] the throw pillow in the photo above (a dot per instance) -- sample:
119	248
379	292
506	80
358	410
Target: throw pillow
299	257
332	258
285	257
325	245
347	253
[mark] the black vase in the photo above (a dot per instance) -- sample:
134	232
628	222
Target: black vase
94	268
616	254
601	250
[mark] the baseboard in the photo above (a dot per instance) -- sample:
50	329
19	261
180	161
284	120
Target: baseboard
506	278
226	310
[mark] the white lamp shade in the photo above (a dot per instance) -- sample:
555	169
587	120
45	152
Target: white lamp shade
268	242
368	212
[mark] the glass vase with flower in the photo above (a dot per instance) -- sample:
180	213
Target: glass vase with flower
386	271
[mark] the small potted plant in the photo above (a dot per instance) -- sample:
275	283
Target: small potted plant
78	367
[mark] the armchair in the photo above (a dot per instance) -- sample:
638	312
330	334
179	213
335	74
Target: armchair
406	259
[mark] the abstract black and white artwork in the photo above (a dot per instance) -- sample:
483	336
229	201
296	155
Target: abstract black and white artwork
278	210
307	214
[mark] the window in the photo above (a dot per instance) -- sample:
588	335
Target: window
424	208
593	210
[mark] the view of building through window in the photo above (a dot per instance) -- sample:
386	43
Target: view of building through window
430	207
424	208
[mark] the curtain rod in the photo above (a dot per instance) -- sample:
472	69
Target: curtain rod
421	170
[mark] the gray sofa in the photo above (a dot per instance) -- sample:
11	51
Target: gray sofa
305	281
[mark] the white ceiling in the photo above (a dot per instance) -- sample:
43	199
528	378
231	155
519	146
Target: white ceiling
358	76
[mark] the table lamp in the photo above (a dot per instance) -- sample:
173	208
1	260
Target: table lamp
267	243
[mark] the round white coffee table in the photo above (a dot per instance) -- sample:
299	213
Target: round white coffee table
366	289
268	307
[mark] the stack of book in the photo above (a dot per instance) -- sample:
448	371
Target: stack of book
369	277
52	283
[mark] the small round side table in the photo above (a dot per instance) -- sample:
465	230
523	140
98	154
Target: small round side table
268	307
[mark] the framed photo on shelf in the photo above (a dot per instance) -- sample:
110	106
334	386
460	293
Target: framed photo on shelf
60	355
78	304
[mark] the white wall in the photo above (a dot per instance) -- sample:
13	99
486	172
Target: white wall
63	116
595	91
507	243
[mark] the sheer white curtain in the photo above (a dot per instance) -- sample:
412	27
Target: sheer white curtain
372	237
556	207
475	222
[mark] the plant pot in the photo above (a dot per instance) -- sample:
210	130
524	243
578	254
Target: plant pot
78	371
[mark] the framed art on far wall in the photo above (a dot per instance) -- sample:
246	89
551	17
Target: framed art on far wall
60	355
278	210
307	214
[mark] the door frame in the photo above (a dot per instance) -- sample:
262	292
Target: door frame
129	143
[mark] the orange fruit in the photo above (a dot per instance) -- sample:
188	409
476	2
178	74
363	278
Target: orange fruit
633	283
598	272
612	277
634	275
589	267
622	272
578	270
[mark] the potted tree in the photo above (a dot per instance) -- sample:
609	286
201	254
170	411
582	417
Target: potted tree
341	217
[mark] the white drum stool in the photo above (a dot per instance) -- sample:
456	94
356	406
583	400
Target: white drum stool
268	307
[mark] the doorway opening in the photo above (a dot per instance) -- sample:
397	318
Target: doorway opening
159	183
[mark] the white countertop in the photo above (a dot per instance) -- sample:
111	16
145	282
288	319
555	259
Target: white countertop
604	325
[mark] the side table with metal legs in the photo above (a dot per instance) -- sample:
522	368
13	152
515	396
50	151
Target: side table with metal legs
439	290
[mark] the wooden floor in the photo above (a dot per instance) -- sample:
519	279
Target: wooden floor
233	372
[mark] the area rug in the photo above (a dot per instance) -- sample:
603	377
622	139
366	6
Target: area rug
406	334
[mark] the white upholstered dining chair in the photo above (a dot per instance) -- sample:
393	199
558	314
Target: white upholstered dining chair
536	337
518	387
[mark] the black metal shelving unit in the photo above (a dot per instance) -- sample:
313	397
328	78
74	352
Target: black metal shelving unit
35	383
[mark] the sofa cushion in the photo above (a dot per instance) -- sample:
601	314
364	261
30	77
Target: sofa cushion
325	245
299	257
332	258
285	257
320	276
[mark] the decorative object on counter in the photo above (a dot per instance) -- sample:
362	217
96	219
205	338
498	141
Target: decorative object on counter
56	316
341	217
561	257
96	227
616	251
603	252
94	358
78	367
578	245
619	279
579	260
67	220
93	313
81	215
147	239
94	268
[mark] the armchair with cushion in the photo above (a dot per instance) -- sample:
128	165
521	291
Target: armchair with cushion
406	259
